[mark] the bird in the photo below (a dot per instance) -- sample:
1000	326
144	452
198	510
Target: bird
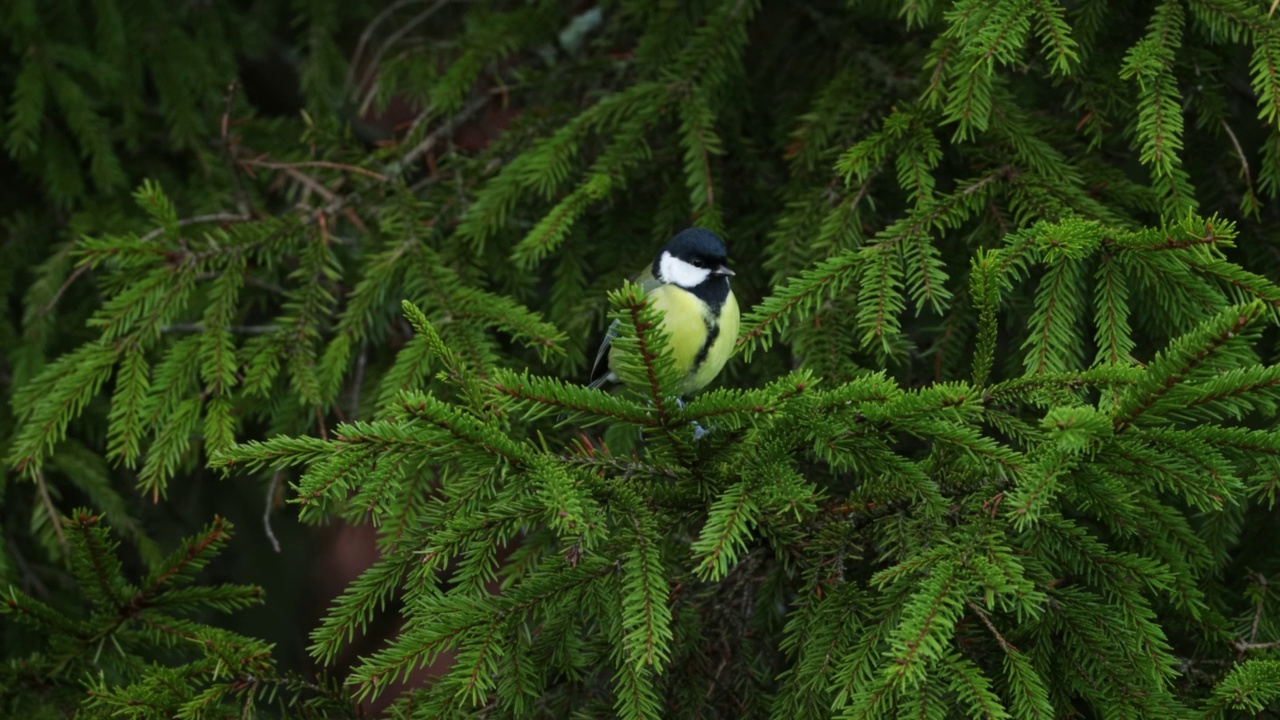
688	281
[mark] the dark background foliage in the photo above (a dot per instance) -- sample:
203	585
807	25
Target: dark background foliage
505	164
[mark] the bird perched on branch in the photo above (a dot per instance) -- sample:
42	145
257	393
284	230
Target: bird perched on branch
688	282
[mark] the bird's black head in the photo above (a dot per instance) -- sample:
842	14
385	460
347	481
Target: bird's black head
698	245
695	260
690	257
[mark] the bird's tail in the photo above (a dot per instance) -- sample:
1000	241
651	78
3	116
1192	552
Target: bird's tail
600	381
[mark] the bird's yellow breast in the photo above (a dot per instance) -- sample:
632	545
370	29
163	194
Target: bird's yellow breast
700	343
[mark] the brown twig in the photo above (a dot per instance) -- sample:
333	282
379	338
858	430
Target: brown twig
367	33
48	307
50	509
276	165
307	181
1244	161
1004	644
196	220
324	432
335	203
1257	615
446	128
244	201
372	69
1243	646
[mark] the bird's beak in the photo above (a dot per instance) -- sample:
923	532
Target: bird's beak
722	270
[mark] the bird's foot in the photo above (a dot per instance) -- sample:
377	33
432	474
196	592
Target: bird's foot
699	431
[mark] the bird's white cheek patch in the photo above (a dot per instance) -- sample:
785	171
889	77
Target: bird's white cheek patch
675	270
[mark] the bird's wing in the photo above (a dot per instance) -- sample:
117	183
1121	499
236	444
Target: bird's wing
601	354
601	374
648	282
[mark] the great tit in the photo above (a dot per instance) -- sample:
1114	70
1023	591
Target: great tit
688	282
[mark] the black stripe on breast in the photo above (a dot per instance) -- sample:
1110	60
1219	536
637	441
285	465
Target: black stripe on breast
713	332
713	291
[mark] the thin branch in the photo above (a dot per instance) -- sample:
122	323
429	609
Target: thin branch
234	329
244	201
391	40
367	33
395	169
277	165
266	511
337	203
1004	644
307	181
50	509
196	220
1244	161
446	128
1243	646
63	289
31	583
324	432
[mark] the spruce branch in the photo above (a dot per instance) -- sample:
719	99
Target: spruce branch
646	614
644	359
539	397
586	454
801	295
985	293
1232	393
724	537
1112	332
1056	36
1181	358
1249	687
700	142
973	687
466	619
454	423
751	406
140	619
66	386
1160	124
1247	284
1058	311
607	175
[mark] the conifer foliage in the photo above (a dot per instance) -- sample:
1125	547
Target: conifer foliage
999	437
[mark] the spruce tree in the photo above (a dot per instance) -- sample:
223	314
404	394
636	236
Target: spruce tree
998	439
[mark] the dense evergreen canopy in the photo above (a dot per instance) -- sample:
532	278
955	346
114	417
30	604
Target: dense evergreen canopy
999	438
